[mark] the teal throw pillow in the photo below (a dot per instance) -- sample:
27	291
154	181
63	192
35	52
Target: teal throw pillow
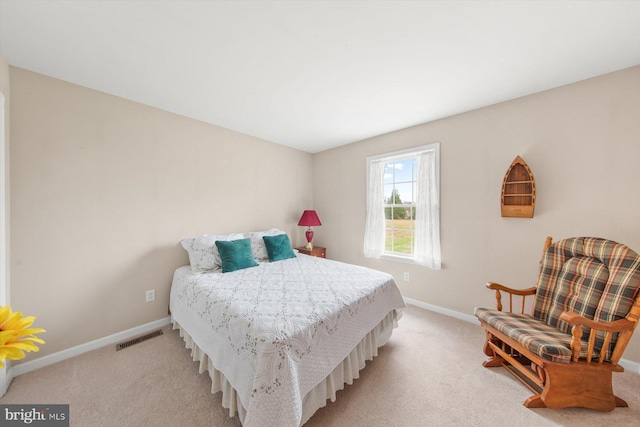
235	254
278	247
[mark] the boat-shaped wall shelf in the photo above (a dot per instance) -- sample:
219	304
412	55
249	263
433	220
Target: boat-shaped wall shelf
518	191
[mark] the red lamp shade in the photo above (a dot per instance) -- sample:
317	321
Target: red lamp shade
308	219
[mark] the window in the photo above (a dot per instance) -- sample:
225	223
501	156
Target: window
399	206
403	206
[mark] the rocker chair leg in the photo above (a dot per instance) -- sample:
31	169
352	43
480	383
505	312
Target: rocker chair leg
493	362
487	346
534	401
620	403
584	386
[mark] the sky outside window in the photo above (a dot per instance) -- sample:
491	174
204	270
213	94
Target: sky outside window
402	173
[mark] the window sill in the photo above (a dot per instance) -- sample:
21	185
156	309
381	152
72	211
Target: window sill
398	258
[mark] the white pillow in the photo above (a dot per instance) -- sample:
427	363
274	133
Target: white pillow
258	249
203	253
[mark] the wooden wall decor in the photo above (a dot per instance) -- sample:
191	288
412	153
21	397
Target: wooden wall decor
518	191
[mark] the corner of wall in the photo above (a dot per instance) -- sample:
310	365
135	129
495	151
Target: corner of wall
5	378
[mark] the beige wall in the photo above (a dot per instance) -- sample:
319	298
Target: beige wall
582	142
103	189
5	200
5	92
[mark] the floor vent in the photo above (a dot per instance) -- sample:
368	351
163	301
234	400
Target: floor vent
139	339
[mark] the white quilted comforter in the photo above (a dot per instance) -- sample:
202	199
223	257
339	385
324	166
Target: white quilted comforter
275	331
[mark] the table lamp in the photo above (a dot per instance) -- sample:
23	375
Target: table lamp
309	219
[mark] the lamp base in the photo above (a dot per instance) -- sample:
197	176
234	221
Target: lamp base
309	236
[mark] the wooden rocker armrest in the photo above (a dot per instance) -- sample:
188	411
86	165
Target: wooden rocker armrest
615	326
519	292
622	326
499	287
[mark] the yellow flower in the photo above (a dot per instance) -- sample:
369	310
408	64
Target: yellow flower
15	335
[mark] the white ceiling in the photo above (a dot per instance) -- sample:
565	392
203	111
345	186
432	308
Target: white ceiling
319	74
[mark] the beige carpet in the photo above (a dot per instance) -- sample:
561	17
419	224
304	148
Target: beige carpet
429	374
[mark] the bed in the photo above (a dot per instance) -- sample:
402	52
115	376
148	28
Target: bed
280	338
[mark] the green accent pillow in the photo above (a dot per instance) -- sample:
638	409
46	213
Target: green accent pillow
278	247
235	254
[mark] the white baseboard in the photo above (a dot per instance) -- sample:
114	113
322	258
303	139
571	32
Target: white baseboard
446	311
50	359
629	365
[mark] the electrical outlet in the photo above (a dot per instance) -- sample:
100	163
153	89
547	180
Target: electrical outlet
406	276
151	295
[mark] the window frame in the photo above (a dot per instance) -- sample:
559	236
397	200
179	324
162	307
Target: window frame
397	156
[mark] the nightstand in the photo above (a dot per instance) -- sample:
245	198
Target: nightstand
318	251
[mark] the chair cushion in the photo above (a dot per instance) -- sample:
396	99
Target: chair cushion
592	277
539	338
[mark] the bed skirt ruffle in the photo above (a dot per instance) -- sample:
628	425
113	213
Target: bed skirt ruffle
344	373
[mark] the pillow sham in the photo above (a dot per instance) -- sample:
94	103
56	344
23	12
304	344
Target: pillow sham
258	248
203	253
235	254
278	247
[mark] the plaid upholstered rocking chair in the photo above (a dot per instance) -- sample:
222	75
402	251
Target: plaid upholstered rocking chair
586	305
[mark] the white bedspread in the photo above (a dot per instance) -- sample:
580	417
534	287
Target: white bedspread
275	331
